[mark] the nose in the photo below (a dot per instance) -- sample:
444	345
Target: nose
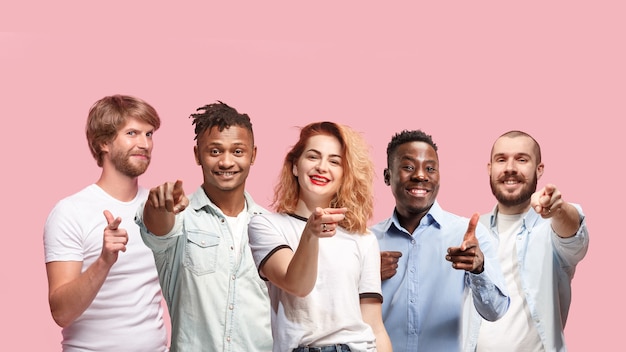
510	165
322	165
226	161
419	175
144	142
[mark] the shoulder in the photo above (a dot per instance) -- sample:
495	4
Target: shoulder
380	227
269	217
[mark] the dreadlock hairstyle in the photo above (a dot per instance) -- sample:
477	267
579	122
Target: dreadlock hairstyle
219	115
356	190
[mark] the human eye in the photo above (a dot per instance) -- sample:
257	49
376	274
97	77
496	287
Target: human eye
431	169
407	167
239	152
149	134
131	133
214	151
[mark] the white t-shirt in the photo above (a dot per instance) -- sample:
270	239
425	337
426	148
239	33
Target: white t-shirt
516	327
348	268
126	314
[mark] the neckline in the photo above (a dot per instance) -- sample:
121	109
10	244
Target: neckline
298	217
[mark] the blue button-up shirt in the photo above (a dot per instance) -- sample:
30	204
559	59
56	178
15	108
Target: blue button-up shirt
423	301
547	264
216	303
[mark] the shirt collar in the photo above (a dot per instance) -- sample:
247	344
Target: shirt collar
200	201
529	220
433	217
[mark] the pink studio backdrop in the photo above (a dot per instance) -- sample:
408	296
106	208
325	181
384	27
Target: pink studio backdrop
463	72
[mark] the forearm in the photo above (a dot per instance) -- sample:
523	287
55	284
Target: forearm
301	274
489	300
371	311
70	300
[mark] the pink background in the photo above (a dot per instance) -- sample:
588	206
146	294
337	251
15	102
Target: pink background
463	71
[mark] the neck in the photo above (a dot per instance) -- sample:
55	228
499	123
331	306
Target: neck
410	223
231	203
305	209
118	186
514	209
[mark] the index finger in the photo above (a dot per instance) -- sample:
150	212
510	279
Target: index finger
549	189
471	227
178	188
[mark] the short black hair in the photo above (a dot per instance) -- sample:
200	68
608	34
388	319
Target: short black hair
407	136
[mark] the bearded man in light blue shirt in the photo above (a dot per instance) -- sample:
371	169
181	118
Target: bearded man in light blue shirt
431	258
541	238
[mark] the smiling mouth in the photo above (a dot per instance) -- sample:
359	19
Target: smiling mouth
225	173
318	180
511	181
418	192
141	156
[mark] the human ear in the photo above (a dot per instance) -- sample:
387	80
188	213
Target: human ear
196	155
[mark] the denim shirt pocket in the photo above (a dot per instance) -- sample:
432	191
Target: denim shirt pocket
201	251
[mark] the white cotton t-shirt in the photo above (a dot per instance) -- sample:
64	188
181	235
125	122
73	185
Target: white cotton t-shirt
238	229
348	268
126	314
516	327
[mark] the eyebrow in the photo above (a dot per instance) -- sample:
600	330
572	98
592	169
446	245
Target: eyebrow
412	159
514	154
320	153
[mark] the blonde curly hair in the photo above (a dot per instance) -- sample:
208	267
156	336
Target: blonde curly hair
356	190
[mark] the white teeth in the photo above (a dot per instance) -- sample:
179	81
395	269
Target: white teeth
318	179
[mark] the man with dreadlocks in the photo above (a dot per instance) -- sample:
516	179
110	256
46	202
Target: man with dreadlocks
215	297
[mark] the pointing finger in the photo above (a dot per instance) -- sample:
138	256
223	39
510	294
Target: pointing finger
469	239
471	227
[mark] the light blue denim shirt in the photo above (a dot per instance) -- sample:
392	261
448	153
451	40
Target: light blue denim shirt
422	306
215	303
547	264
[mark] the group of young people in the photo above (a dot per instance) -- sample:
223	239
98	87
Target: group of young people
311	274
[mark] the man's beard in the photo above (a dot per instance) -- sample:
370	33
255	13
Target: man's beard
122	162
509	200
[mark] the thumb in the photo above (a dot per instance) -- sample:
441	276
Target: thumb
112	222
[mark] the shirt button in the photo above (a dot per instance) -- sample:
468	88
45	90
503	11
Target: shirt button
231	307
222	220
233	277
231	248
202	242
